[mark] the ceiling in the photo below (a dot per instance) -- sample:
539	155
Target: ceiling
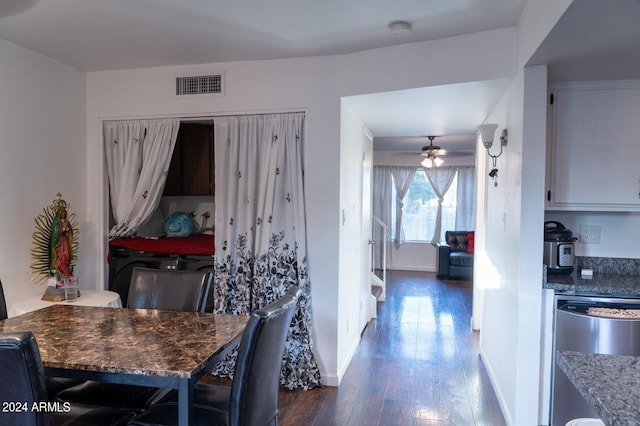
593	40
95	35
98	35
400	121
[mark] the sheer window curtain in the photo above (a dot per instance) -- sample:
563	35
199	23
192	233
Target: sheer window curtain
402	179
261	231
138	154
381	199
466	199
440	179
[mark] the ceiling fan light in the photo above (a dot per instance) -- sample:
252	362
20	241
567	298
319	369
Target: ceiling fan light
432	162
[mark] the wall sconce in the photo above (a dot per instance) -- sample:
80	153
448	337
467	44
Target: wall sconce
487	133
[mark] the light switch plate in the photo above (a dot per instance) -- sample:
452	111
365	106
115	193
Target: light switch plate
589	234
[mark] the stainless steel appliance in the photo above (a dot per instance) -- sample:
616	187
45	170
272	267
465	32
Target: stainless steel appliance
579	328
558	255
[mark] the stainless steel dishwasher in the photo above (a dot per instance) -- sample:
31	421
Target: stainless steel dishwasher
590	324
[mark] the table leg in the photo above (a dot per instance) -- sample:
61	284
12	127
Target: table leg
185	397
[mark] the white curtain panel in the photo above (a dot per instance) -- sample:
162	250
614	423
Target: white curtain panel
402	179
382	191
261	229
466	199
381	208
440	179
138	155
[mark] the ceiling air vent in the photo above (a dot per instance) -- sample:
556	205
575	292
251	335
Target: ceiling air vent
199	85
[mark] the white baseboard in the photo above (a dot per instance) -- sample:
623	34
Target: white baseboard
412	268
503	404
329	381
335	379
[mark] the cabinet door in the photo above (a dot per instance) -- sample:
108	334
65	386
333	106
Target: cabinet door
595	148
192	168
197	160
173	184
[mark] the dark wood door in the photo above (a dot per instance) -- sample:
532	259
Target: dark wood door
197	159
192	166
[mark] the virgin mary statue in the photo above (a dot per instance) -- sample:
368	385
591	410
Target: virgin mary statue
55	243
61	248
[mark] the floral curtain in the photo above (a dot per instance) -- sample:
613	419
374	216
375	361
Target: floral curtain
138	155
261	231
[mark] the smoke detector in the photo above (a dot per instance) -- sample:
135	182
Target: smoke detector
400	28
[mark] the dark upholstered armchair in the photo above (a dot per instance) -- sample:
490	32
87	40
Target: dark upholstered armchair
455	255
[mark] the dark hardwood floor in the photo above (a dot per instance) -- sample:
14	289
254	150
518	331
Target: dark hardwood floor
417	364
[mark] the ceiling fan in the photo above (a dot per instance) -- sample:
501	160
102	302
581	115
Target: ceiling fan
432	155
430	152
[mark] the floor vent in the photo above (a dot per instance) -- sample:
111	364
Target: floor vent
199	85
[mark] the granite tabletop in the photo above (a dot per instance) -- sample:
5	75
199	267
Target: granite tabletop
611	383
134	341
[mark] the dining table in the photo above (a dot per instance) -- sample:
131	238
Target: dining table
146	347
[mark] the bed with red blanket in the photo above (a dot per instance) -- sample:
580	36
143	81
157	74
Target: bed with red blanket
195	244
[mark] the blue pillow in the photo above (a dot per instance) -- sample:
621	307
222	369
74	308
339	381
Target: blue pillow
178	225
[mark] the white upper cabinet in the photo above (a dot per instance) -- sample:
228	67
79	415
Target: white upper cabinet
594	149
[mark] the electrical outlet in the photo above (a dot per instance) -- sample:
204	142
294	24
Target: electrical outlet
589	234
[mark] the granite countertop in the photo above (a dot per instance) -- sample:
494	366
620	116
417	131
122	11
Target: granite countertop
608	382
601	283
611	276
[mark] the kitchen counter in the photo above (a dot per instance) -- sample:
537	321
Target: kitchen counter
620	285
608	382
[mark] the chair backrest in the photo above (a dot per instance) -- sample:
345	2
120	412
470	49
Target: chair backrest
256	380
458	240
3	304
22	378
171	290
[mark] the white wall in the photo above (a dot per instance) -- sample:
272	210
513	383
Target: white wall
496	265
509	266
352	302
42	112
266	86
618	232
316	86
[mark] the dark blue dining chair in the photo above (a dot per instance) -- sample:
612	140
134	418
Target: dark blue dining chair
149	289
24	386
252	398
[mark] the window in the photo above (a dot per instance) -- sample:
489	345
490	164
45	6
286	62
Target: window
420	207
